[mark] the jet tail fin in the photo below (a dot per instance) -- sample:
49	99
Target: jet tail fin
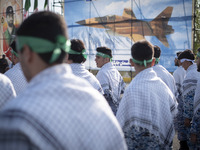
160	25
163	39
165	15
128	13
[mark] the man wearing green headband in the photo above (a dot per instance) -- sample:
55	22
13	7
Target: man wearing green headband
15	74
162	72
109	78
148	106
58	110
195	124
186	104
76	58
178	74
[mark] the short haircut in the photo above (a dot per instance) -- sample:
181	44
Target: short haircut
187	54
46	25
105	50
13	46
178	53
157	51
78	46
142	50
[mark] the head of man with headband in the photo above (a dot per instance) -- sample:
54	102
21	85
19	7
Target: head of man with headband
77	52
142	55
157	53
176	61
103	56
186	58
42	42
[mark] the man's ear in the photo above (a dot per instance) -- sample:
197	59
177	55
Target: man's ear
107	59
131	62
27	54
67	60
153	62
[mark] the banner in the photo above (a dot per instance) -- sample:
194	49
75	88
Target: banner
11	17
117	24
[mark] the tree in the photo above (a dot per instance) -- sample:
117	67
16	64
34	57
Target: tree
196	25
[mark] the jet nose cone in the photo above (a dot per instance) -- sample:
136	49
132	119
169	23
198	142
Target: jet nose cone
82	22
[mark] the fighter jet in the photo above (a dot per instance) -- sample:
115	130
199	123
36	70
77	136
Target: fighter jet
127	25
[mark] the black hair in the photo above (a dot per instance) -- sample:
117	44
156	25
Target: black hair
78	46
187	54
3	64
105	50
142	50
46	25
157	51
178	53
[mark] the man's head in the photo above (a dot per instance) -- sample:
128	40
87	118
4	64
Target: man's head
9	16
77	52
157	52
198	60
14	52
176	61
103	56
186	58
142	55
41	42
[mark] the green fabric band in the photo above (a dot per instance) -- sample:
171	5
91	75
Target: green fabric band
14	53
103	55
40	45
198	54
83	52
144	62
157	60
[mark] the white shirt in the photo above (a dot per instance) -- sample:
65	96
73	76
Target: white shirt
17	78
110	78
166	77
80	71
188	90
59	110
7	91
179	75
148	103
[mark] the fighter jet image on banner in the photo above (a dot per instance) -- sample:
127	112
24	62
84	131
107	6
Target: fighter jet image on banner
127	25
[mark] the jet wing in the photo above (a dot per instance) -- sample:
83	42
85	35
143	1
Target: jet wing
128	13
163	39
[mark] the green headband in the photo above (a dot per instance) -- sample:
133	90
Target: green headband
14	53
104	55
40	45
142	62
198	54
83	52
157	60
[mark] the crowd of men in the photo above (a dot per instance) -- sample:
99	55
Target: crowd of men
49	100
